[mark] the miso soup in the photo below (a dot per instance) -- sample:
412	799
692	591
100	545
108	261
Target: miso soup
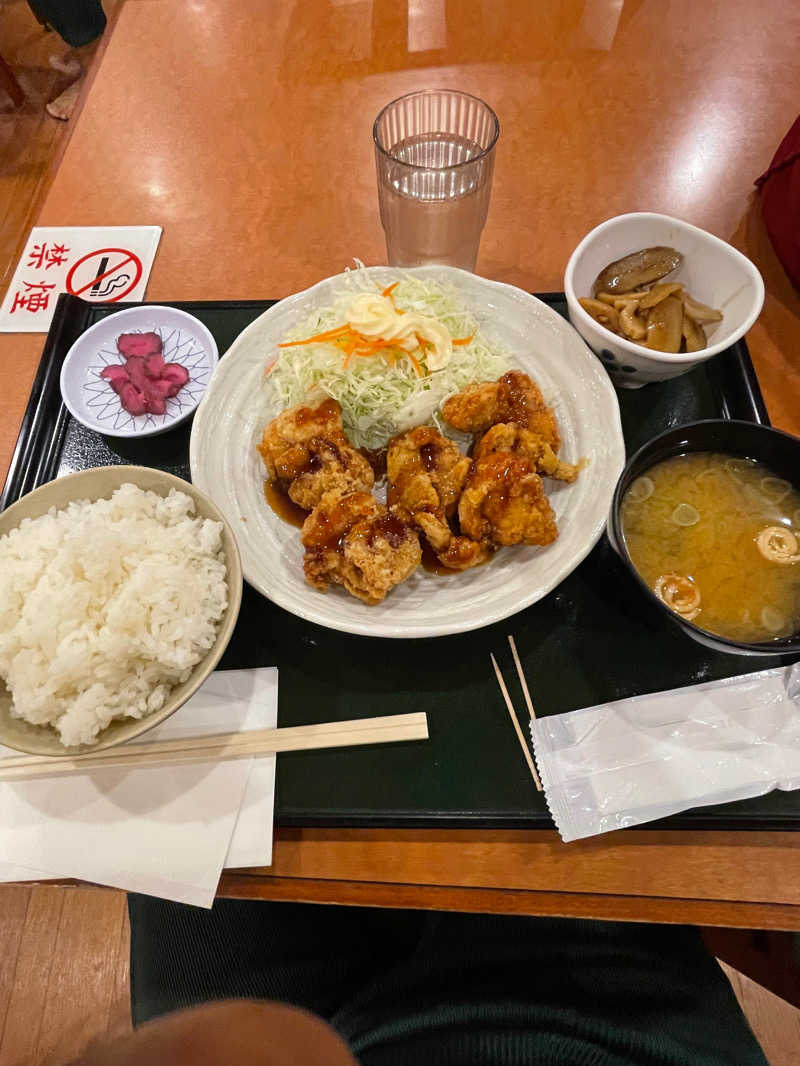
718	540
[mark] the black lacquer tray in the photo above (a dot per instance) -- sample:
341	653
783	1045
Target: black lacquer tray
593	639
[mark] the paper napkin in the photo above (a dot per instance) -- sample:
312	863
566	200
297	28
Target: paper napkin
165	831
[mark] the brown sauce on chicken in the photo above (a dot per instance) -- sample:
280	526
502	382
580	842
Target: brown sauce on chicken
376	457
431	564
391	527
283	507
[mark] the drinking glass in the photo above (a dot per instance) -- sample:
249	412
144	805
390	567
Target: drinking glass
434	152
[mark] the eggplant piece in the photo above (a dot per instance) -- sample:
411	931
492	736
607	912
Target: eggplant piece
603	313
638	268
693	334
664	325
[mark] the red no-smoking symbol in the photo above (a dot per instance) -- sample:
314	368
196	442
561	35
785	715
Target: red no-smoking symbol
110	274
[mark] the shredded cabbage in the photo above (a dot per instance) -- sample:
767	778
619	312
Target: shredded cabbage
379	400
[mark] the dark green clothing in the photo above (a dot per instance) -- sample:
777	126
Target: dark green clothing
436	989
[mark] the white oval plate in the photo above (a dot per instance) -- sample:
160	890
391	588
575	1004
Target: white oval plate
90	398
226	466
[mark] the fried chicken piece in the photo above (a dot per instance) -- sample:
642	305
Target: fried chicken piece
379	553
453	551
352	540
307	453
511	437
426	473
504	503
283	446
331	467
425	469
512	398
324	531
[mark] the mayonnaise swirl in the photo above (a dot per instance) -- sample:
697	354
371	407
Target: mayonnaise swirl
376	316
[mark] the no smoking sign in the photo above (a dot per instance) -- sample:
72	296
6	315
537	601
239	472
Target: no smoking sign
107	275
101	264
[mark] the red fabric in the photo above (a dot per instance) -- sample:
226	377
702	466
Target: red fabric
780	202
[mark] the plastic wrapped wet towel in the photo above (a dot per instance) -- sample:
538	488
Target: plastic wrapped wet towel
632	761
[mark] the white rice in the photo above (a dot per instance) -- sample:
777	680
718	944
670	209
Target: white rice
106	606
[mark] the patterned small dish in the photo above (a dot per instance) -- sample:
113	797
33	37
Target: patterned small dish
89	397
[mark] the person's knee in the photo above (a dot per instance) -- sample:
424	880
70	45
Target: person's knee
232	1033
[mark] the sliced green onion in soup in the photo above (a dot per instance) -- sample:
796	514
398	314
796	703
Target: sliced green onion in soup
773	621
776	488
685	515
641	489
736	467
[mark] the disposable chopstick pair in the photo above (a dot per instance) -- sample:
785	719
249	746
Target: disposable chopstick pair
513	714
380	730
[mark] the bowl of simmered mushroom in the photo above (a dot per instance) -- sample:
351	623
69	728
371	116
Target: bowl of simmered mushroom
654	296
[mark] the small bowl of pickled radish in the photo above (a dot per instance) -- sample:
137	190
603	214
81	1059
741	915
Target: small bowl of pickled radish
710	286
706	518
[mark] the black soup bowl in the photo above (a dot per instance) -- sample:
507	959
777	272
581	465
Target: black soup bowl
746	440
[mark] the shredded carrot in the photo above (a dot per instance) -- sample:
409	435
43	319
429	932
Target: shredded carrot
389	292
352	343
416	365
328	335
270	366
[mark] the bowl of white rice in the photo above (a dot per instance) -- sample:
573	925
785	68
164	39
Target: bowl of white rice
119	591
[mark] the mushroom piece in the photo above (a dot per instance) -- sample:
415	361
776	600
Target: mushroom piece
699	312
637	269
632	325
664	323
659	293
630	299
693	334
603	313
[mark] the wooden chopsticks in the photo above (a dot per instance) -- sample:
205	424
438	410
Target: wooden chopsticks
381	730
513	714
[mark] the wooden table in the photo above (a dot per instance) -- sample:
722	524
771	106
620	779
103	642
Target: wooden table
244	129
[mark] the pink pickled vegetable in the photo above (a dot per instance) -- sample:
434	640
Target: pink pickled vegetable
132	399
144	382
135	368
129	344
161	388
154	364
116	374
175	373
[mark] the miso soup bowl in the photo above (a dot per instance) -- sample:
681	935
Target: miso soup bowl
712	270
746	440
